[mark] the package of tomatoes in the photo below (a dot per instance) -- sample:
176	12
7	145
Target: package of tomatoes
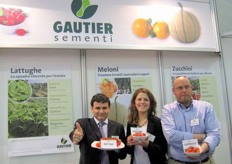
191	148
139	133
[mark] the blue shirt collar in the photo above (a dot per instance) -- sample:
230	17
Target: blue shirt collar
182	107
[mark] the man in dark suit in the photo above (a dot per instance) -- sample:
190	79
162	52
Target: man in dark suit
86	131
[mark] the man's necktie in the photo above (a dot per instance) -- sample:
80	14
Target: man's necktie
101	124
104	155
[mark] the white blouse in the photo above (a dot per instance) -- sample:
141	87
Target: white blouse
140	156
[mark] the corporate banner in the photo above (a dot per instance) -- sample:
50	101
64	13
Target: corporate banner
119	84
132	24
39	111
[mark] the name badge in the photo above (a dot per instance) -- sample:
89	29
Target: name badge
151	137
108	144
194	122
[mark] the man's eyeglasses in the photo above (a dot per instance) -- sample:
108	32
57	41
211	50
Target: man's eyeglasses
187	87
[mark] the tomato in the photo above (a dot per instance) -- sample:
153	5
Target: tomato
98	144
118	142
161	30
192	149
139	134
196	150
188	150
142	27
20	32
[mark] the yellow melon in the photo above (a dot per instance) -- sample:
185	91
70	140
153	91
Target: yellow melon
184	26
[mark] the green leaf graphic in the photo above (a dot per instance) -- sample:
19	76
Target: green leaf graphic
82	9
63	141
89	11
85	4
75	6
1	12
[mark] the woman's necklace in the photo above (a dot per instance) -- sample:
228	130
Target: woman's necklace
144	123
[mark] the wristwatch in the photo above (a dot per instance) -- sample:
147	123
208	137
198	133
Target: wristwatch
204	136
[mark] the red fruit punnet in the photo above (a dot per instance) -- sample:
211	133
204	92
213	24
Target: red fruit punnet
12	16
14	13
10	22
20	18
20	32
1	20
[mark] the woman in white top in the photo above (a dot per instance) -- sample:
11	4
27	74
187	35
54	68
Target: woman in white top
152	149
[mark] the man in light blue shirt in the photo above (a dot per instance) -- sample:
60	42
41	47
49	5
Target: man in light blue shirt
187	119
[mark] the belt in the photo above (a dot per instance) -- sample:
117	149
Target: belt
204	160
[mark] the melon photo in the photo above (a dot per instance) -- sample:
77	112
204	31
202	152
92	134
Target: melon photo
184	26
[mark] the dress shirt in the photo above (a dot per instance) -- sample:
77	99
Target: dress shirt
176	124
105	127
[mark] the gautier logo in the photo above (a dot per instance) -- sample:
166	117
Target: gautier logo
82	9
83	32
64	145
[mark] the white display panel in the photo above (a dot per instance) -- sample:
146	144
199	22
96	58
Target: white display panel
127	61
211	63
124	59
52	59
131	60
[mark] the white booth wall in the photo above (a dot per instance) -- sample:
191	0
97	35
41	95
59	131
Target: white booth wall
160	65
50	58
205	61
150	60
124	58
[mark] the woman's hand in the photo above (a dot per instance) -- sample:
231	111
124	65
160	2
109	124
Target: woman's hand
130	141
143	142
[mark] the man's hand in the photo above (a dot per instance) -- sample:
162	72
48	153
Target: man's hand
205	147
78	134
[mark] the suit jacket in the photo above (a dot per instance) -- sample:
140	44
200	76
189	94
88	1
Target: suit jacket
89	155
158	148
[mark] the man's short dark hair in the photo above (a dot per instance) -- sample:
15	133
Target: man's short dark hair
99	97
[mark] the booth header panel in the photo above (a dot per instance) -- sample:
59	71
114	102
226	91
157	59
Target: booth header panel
91	24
